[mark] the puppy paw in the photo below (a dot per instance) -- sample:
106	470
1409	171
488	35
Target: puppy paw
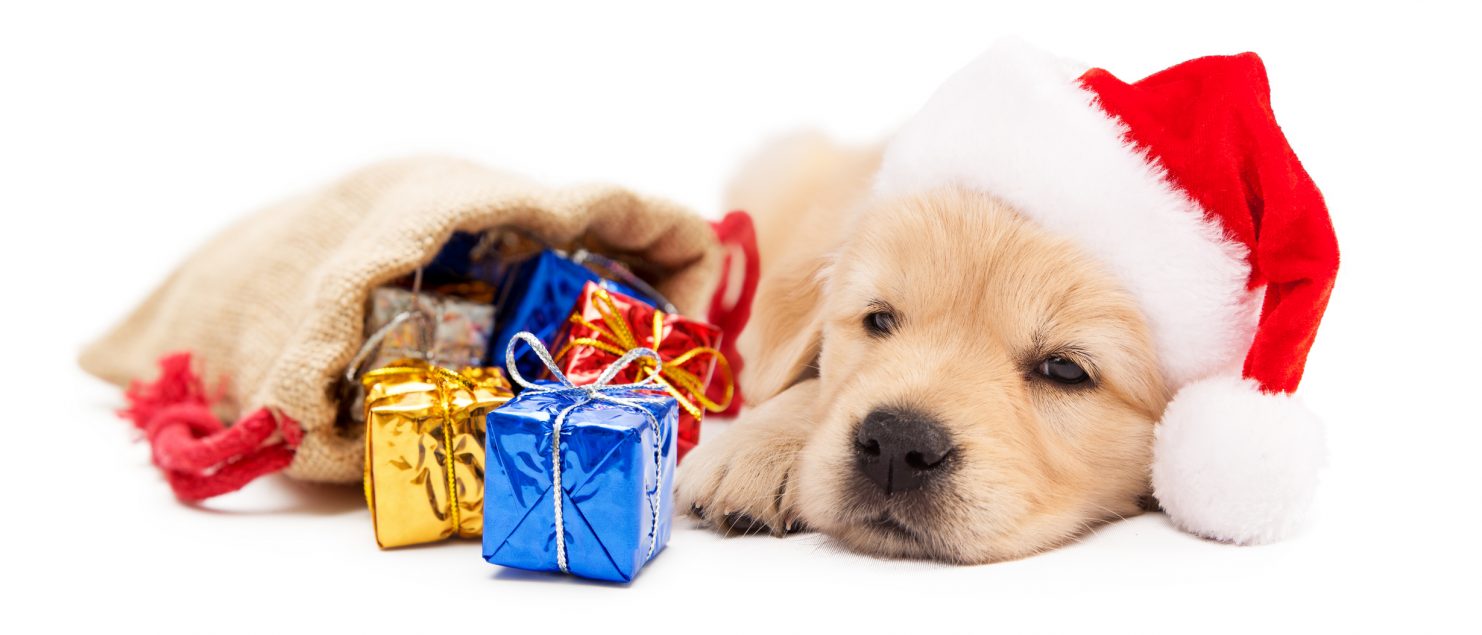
739	483
742	480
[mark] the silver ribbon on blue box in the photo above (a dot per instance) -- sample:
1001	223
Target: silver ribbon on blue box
580	479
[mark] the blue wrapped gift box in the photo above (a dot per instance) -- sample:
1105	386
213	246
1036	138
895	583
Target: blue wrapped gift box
617	481
537	295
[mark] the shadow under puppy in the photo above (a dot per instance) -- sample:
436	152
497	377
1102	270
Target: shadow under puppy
1049	296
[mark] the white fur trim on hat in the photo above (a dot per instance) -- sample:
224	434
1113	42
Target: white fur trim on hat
1016	124
1235	464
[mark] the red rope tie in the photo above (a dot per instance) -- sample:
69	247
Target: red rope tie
736	234
200	456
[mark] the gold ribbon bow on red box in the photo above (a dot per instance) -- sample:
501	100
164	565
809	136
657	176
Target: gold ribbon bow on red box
606	325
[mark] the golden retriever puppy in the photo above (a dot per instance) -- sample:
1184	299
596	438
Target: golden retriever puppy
930	376
1052	295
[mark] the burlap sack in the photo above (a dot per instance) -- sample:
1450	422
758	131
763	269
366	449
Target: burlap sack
275	304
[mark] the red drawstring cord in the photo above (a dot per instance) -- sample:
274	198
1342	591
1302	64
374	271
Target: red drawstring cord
200	456
735	233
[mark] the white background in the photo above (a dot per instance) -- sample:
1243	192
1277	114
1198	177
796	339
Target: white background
130	132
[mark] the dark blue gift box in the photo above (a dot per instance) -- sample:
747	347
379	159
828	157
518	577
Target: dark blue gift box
538	295
616	475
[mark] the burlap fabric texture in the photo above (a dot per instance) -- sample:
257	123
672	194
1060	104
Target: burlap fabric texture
274	305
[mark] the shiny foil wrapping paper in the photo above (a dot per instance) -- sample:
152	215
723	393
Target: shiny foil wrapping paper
615	465
536	296
606	324
424	450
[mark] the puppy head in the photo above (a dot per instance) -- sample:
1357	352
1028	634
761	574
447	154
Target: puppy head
988	390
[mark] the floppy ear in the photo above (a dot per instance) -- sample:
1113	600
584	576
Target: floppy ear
782	343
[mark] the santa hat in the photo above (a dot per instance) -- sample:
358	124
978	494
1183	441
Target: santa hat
1184	187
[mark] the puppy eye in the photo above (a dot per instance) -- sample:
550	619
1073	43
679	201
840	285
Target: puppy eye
1062	370
880	321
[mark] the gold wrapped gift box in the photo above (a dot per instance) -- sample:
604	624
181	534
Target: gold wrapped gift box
424	450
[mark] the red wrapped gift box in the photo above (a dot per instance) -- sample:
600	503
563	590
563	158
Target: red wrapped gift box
605	325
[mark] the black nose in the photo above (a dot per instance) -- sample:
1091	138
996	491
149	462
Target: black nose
900	449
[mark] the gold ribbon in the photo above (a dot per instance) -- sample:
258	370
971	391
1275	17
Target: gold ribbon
445	382
675	379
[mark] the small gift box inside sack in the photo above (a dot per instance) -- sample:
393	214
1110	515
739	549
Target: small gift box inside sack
424	449
536	295
607	324
580	478
461	325
450	327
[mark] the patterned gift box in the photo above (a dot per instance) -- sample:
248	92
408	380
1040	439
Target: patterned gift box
461	325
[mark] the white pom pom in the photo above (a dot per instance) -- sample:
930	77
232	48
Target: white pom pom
1234	464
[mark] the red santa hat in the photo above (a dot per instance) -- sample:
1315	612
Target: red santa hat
1183	186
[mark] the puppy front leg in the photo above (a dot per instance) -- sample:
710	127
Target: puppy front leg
740	481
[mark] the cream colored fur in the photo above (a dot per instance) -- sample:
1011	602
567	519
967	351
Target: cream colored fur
982	295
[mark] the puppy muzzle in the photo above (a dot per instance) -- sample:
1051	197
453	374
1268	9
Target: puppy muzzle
901	451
